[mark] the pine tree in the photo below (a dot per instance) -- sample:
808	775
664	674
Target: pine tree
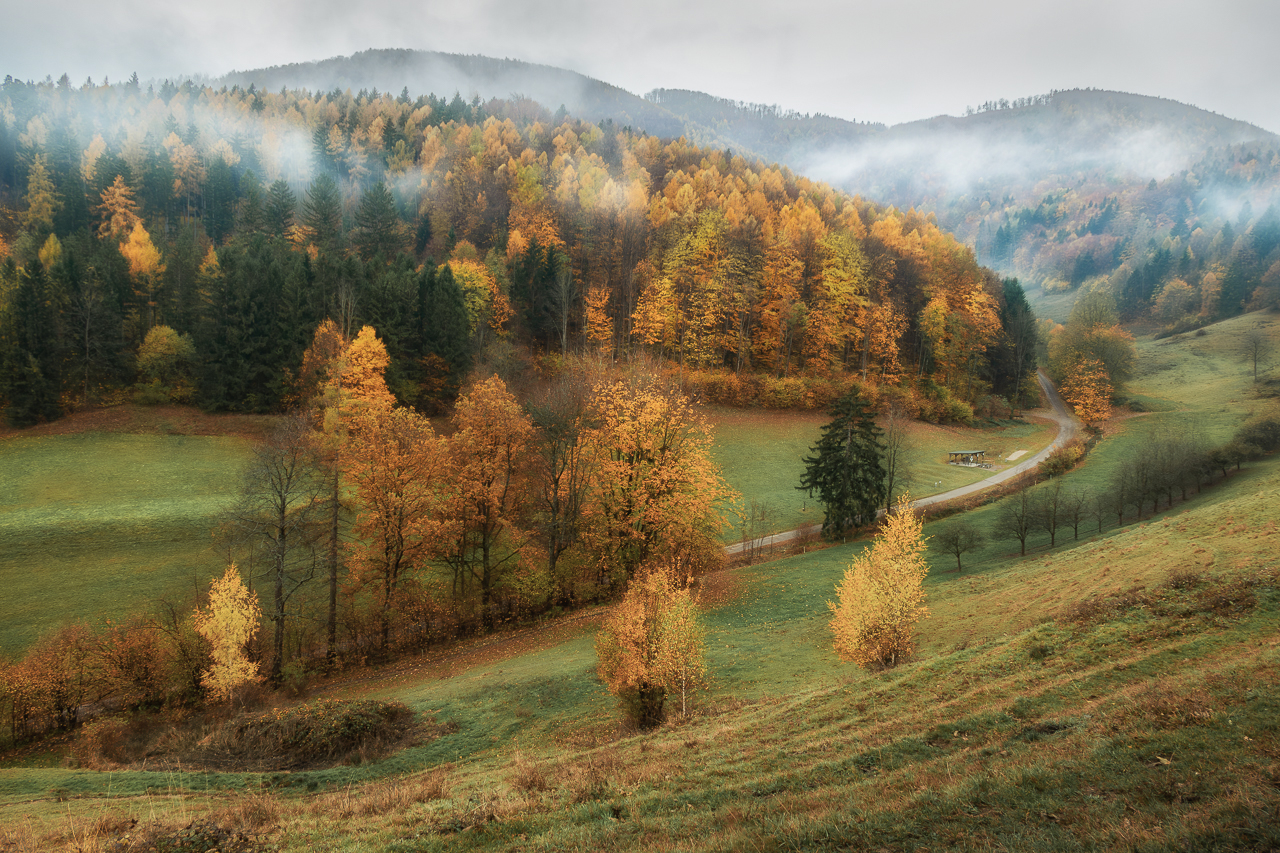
379	231
281	204
445	343
846	468
322	212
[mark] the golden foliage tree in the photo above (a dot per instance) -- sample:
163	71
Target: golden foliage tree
145	267
42	196
653	645
1088	389
882	596
229	623
487	452
119	211
657	491
395	462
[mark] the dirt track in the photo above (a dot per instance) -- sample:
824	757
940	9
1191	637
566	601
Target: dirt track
1068	427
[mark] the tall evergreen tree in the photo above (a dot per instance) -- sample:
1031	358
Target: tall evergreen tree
846	468
322	212
445	354
30	376
252	214
379	231
281	204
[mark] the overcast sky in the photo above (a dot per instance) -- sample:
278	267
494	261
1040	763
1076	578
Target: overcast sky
883	60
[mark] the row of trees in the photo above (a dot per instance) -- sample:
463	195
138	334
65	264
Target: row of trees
521	507
1168	466
243	218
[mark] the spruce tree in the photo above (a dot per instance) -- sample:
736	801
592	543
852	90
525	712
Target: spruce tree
846	468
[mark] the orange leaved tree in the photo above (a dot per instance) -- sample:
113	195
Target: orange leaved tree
881	596
657	493
229	623
1088	389
652	646
488	458
395	461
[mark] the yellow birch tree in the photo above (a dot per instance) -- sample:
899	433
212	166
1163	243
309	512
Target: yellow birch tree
229	623
882	595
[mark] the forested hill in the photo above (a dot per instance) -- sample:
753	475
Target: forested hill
1089	188
187	241
421	72
766	130
1100	189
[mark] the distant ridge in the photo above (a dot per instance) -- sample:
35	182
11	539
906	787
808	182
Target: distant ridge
444	74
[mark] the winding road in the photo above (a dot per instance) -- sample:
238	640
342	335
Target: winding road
1068	427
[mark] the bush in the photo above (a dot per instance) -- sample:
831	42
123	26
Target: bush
1263	433
1063	459
326	731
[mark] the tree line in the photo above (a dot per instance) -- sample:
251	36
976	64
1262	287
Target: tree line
364	531
1173	463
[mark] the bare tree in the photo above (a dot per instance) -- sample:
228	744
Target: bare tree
280	514
1075	508
1016	518
958	538
1256	346
1047	509
564	295
897	468
755	528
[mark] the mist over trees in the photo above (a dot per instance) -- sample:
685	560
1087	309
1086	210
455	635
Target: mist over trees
240	219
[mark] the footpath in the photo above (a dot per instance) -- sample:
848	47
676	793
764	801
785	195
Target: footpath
1068	427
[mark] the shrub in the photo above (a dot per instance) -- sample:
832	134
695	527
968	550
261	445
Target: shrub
1262	432
329	730
1063	459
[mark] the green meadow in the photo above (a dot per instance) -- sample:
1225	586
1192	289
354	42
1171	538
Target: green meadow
97	524
762	455
1119	691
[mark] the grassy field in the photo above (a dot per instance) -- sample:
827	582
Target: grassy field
1121	691
761	454
1150	723
96	524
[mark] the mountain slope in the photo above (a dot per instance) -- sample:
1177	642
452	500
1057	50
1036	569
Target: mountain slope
443	74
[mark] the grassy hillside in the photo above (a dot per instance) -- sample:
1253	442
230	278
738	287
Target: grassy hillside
1118	692
762	456
104	523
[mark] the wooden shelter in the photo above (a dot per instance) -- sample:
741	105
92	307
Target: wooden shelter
968	458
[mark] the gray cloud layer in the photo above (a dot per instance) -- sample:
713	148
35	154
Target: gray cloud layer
873	61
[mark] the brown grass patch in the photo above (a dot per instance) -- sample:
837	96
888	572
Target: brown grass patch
1165	706
150	420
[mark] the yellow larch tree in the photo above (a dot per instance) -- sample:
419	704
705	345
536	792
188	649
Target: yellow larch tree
882	595
119	211
42	198
145	268
229	623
